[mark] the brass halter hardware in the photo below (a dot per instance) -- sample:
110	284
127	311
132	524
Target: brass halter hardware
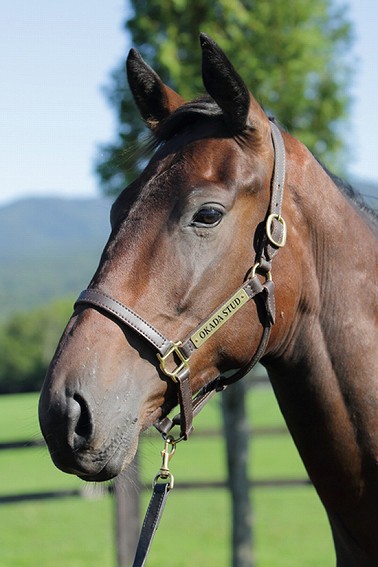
167	454
174	349
281	243
255	270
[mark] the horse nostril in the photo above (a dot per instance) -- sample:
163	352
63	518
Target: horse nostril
81	421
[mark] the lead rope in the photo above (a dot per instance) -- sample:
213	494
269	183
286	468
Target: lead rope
160	492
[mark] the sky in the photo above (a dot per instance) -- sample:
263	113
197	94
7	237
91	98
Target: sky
55	57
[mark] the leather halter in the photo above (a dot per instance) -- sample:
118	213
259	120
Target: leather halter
174	357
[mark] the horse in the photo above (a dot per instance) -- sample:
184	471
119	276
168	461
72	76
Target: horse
233	245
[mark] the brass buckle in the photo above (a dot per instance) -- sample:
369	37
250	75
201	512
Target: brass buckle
255	269
184	361
281	220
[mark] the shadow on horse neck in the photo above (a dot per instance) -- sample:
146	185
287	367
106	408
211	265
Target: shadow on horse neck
196	244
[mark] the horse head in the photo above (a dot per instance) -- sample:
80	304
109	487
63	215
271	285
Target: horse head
185	235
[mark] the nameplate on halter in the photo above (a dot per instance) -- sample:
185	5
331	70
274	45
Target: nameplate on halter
219	318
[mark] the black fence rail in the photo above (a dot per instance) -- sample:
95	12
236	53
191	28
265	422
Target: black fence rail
32	496
22	444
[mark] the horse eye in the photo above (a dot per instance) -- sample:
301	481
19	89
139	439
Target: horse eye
207	216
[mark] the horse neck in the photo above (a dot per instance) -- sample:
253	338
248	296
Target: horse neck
324	367
336	287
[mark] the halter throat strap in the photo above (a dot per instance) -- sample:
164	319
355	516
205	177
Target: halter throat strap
174	356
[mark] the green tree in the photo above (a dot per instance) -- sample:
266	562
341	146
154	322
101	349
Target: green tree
291	55
27	344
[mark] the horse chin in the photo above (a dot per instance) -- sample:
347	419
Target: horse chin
96	465
113	468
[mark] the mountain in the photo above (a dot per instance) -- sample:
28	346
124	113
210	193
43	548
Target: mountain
49	248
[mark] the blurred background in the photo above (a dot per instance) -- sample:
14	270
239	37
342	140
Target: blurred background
70	141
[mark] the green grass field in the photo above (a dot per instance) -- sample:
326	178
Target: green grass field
291	529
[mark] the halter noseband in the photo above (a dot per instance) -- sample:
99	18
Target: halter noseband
174	357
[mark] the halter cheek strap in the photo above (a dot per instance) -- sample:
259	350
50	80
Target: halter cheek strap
173	356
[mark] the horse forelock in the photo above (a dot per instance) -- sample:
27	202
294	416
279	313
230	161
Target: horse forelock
203	108
206	118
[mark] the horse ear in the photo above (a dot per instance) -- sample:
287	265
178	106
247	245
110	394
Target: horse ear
227	88
154	99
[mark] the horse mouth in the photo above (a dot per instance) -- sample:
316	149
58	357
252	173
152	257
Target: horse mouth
107	462
100	477
108	472
95	465
92	467
107	465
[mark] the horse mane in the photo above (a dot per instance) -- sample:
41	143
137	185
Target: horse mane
353	196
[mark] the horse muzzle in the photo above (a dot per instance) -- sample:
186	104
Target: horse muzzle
85	439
